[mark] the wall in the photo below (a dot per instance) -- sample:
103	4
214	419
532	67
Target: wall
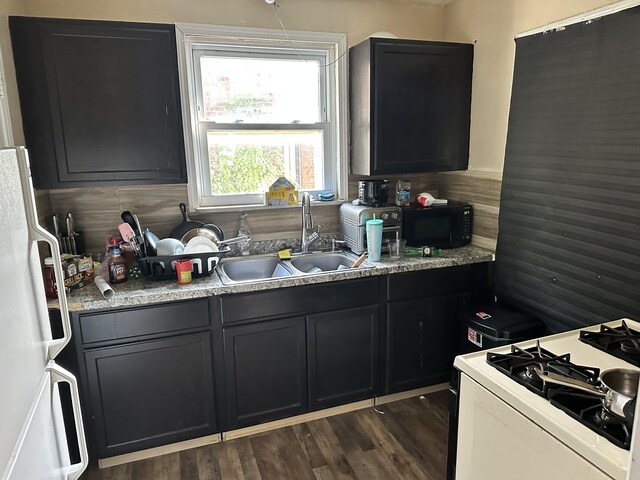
97	211
492	26
11	7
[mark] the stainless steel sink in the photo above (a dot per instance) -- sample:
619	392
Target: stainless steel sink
248	269
323	262
267	267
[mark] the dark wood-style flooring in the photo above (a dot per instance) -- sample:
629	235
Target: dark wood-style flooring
408	442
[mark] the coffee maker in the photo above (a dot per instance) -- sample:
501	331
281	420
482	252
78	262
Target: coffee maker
373	193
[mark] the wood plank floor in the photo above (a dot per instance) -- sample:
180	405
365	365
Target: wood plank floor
408	442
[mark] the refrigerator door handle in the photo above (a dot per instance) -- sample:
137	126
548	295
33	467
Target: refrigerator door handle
37	233
59	374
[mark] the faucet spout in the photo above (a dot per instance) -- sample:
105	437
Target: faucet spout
307	224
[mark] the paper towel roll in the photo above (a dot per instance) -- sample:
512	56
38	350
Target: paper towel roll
105	289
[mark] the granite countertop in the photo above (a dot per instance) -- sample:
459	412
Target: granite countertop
144	292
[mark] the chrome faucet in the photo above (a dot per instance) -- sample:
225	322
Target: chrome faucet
307	224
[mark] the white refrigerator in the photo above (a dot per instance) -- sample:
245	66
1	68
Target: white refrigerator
33	444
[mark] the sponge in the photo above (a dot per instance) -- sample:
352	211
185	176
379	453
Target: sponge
284	254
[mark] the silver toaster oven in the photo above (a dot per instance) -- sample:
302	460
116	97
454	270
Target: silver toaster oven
353	220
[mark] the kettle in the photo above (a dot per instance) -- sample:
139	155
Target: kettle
373	193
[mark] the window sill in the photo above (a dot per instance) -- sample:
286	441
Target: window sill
258	207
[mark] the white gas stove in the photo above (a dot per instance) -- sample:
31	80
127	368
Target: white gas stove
507	431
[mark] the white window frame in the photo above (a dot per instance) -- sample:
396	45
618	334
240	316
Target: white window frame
194	38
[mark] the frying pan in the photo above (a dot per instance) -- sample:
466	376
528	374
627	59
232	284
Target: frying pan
188	224
618	389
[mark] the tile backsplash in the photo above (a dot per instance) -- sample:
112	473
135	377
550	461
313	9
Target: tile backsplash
97	210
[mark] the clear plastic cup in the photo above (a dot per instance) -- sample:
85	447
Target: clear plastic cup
396	248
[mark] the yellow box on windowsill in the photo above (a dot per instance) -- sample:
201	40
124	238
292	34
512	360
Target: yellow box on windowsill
281	192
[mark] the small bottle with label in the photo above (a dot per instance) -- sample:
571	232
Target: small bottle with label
117	267
403	193
50	287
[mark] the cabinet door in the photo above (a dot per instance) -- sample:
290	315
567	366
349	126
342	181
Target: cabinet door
421	341
151	393
343	356
266	369
422	100
100	102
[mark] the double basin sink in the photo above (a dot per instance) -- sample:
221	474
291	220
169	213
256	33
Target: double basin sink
265	267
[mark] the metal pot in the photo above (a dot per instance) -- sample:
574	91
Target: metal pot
618	389
188	224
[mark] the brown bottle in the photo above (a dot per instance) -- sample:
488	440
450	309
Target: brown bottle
117	267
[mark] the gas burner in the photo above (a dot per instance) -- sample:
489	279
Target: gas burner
588	410
621	342
630	347
520	365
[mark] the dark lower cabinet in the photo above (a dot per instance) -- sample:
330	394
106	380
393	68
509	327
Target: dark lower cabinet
147	373
266	371
343	356
151	393
421	341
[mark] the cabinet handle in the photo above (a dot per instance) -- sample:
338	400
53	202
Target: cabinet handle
59	374
420	343
37	233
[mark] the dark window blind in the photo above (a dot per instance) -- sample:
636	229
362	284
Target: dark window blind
569	240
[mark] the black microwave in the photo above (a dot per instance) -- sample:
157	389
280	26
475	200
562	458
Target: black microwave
441	226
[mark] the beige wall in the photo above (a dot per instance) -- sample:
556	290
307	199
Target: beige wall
356	18
492	25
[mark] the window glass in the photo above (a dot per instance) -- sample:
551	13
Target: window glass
260	90
249	161
261	106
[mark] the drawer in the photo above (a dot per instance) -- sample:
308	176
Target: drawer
302	300
436	282
116	324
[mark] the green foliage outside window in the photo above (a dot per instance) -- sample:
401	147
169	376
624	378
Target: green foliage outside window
245	169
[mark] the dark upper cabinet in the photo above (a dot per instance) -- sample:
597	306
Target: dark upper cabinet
100	102
343	356
410	105
266	371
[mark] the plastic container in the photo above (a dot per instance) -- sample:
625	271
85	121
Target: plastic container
183	270
396	248
374	238
403	193
245	247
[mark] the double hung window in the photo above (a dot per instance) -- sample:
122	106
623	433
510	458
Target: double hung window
260	108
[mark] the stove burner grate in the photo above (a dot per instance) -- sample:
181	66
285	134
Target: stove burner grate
622	342
587	409
520	365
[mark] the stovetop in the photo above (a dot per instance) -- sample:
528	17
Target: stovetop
521	364
544	410
621	341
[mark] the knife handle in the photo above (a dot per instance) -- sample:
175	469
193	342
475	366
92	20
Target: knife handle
56	225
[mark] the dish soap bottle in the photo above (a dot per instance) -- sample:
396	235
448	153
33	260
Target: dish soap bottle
245	246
